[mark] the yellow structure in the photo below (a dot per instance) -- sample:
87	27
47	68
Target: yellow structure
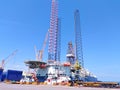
77	66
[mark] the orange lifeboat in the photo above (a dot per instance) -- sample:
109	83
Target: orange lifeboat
42	66
67	64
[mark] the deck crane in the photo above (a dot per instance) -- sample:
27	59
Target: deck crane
5	61
39	53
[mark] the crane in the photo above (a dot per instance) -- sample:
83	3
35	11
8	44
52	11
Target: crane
4	61
39	53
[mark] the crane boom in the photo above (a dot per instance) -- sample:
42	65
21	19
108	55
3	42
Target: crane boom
36	53
45	41
39	53
5	61
43	48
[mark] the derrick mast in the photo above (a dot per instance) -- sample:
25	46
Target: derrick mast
78	39
53	32
70	53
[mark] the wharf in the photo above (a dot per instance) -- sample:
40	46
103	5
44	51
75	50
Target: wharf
4	86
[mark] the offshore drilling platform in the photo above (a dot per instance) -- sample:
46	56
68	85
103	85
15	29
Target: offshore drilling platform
54	70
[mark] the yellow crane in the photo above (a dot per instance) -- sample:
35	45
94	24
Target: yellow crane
5	61
39	53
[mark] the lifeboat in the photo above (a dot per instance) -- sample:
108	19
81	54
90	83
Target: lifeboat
67	64
42	66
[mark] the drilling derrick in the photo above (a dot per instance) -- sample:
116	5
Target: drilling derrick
78	39
53	31
70	54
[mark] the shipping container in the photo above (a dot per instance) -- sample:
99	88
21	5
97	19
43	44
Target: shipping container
3	76
1	71
13	75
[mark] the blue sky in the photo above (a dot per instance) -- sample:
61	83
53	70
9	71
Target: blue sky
24	23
